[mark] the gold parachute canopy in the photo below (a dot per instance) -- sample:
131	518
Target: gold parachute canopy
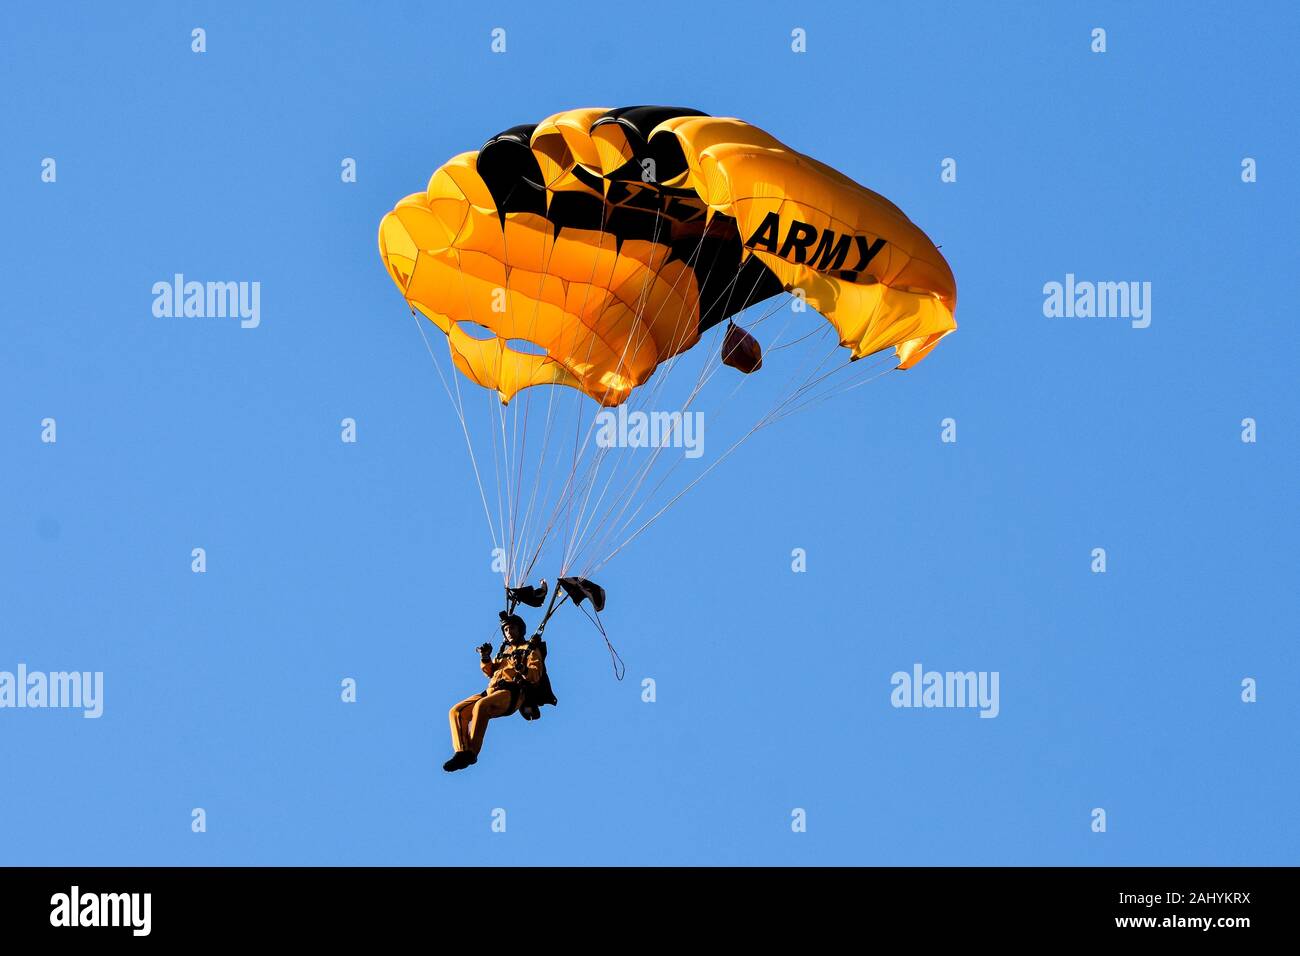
589	248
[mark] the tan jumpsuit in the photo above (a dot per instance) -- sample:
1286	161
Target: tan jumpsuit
469	718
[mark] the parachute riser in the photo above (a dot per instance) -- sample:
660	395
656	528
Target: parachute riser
551	608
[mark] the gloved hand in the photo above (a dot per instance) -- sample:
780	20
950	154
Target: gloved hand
484	651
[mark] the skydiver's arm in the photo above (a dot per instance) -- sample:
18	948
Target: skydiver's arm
487	667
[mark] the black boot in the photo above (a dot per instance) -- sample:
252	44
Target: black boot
460	760
456	762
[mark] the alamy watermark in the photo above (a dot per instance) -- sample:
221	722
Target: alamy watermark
923	688
1103	300
209	300
75	908
624	429
79	690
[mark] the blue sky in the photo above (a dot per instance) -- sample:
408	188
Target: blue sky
325	560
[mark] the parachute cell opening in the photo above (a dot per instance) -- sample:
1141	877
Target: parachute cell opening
526	347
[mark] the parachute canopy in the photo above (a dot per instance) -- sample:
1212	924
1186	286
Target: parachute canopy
588	248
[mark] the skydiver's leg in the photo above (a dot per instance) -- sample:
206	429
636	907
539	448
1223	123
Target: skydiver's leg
460	716
495	704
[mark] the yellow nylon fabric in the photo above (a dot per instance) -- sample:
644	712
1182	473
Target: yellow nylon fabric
606	313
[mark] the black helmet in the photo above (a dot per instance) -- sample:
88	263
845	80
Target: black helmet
515	621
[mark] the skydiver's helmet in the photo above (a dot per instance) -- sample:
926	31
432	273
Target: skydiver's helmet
515	622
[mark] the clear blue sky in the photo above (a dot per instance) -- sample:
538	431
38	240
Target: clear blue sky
328	560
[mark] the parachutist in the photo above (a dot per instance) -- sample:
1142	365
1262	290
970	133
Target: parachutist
616	278
517	681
